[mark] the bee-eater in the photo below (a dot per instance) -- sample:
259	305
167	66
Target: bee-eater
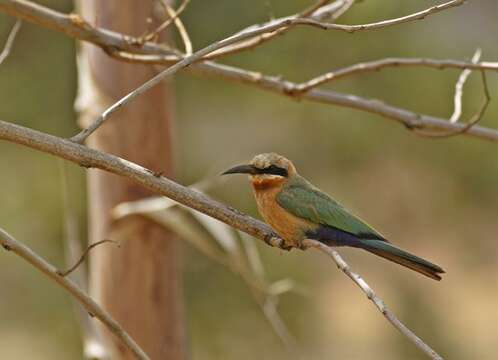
297	210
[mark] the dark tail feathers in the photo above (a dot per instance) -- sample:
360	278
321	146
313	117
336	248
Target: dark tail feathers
390	252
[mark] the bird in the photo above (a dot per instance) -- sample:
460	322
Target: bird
297	210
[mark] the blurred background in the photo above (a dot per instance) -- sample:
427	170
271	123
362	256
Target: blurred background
435	197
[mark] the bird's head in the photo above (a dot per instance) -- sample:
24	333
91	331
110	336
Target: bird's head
266	170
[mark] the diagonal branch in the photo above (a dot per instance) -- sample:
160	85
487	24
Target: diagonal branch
371	295
10	41
89	158
9	243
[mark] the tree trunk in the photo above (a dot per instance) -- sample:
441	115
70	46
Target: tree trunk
139	282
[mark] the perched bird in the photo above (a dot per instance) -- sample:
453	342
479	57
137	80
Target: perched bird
297	210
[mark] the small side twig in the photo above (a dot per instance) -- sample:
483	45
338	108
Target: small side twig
10	41
371	295
457	112
83	256
187	43
377	65
176	13
9	243
472	121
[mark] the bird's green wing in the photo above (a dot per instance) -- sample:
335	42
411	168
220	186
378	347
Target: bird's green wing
304	200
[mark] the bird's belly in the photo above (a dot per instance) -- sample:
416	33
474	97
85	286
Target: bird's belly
288	226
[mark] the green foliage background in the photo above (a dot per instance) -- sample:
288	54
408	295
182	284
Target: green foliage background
437	198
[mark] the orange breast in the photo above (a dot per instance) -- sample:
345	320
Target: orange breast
288	226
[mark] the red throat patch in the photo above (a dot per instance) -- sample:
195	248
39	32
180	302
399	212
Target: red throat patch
266	184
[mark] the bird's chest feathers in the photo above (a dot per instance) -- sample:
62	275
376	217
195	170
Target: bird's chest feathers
288	226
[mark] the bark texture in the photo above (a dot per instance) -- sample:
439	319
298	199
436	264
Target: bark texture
138	283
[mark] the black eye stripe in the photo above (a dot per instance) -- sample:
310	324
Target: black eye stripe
274	170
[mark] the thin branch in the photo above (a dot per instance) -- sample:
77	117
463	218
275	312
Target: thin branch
308	18
310	13
176	13
332	12
371	295
87	157
380	64
187	43
83	256
473	120
10	41
457	112
9	243
122	46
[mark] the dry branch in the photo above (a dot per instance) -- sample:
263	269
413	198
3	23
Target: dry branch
83	256
90	158
9	243
10	41
457	112
371	295
130	49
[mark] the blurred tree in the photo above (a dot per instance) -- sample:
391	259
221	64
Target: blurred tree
139	284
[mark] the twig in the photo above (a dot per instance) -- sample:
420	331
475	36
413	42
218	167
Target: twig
331	12
473	120
176	13
83	256
174	16
121	46
11	244
379	303
10	41
380	64
307	18
457	112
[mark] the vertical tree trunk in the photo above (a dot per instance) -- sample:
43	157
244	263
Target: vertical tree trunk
137	283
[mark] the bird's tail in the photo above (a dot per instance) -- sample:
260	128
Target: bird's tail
391	252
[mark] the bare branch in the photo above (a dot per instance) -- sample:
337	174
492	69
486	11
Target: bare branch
120	46
83	256
459	88
187	43
474	120
172	18
313	16
380	64
87	157
11	244
331	12
10	41
371	295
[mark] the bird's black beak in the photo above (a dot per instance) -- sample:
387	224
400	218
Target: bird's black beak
241	169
